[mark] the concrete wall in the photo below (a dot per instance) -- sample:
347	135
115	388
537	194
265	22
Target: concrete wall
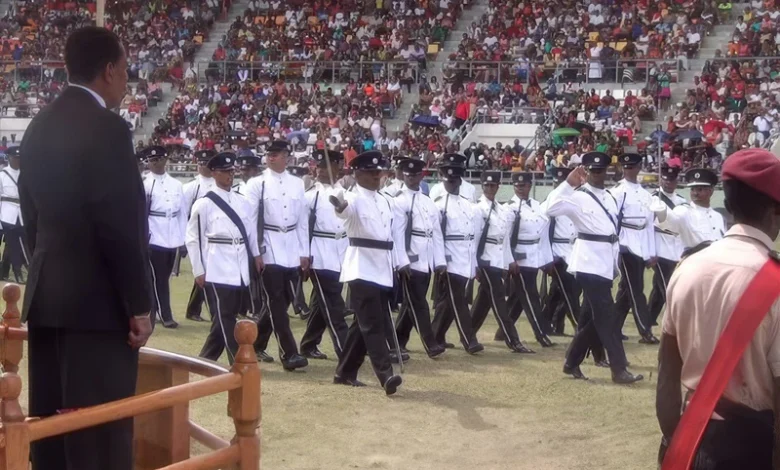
13	125
505	133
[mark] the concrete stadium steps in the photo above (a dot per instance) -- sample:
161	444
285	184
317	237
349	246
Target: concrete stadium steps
435	66
144	132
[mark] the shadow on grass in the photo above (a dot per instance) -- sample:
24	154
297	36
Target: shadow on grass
464	405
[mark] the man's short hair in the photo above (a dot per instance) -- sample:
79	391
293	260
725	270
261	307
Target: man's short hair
745	203
87	52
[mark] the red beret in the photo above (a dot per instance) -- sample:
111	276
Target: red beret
757	168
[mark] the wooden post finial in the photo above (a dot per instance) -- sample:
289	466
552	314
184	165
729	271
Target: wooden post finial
244	402
11	350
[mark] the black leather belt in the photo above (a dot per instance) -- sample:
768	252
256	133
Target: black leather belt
369	243
333	235
163	214
420	233
280	228
458	238
598	238
632	226
528	242
226	241
9	199
665	232
567	241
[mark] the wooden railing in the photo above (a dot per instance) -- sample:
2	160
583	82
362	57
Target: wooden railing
161	405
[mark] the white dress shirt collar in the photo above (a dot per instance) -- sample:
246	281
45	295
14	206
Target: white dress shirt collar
365	192
97	97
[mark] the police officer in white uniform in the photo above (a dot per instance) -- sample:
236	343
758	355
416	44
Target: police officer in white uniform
697	223
460	231
465	189
368	269
166	205
593	261
193	191
250	166
15	254
279	207
328	246
223	251
529	242
395	181
668	245
422	248
563	299
493	259
637	246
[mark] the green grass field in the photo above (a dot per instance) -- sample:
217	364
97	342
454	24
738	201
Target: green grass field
494	411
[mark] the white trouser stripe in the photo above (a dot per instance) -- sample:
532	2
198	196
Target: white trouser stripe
271	317
156	295
454	308
495	308
405	288
565	295
327	311
631	290
530	305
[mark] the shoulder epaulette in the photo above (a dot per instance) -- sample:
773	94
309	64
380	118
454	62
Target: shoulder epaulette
437	199
685	204
464	197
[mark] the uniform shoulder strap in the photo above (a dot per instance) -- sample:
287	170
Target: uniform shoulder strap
750	311
609	216
231	214
10	177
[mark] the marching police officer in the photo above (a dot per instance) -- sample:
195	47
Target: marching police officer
296	284
15	254
328	246
459	231
193	191
667	243
637	246
223	250
593	261
465	189
279	207
529	242
563	299
368	268
250	167
422	249
493	259
697	223
166	208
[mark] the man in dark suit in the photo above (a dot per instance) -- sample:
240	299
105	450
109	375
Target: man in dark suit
88	294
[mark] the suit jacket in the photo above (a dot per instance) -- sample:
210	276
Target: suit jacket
83	201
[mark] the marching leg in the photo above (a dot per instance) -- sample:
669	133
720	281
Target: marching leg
415	290
275	279
529	298
634	267
216	340
662	272
497	299
162	265
195	303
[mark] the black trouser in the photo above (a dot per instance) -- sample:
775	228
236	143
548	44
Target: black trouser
415	311
524	297
161	260
631	293
662	272
450	304
195	304
276	281
563	300
327	312
492	295
15	254
597	324
60	380
368	333
225	303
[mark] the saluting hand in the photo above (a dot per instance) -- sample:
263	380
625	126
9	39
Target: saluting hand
577	177
140	331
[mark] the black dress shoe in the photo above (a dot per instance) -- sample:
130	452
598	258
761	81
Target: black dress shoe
623	337
435	351
170	324
350	382
392	384
649	339
315	354
197	318
448	346
263	356
545	342
626	377
296	361
574	372
499	336
520	348
404	350
475	348
394	357
602	363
